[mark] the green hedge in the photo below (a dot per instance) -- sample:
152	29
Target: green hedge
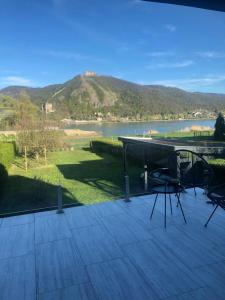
218	166
114	147
107	146
7	154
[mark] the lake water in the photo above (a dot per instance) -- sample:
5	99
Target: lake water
141	128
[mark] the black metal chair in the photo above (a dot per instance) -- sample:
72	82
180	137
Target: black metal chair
186	169
161	182
190	168
217	197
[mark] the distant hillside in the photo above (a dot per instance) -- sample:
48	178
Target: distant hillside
88	97
7	105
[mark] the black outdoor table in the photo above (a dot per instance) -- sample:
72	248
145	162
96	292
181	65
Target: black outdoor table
168	189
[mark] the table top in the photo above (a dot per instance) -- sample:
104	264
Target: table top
167	189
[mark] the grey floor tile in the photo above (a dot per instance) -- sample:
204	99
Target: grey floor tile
213	234
58	266
16	240
17	278
118	279
95	244
199	294
113	249
75	292
51	228
125	229
17	220
107	208
186	248
134	201
164	271
213	275
80	216
45	213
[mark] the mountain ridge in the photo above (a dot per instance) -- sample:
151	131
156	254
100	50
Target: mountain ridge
85	97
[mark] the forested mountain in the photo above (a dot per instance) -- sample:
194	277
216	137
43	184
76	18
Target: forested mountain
85	97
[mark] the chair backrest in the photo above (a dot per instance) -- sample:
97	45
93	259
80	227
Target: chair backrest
158	176
190	168
217	195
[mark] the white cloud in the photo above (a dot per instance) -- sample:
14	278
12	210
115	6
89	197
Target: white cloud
181	64
160	53
170	27
192	83
15	80
211	54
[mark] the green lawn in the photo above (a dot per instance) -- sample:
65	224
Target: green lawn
86	177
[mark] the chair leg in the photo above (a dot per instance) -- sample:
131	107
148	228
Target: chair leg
195	191
171	210
178	201
211	215
154	205
165	213
178	196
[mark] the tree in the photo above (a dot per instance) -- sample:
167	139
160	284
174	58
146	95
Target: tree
219	132
33	130
26	113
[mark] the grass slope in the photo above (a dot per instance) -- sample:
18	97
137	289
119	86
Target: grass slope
84	176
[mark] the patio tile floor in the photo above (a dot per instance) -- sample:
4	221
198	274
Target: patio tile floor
113	251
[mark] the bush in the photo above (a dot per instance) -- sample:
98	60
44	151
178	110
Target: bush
220	127
7	154
107	146
218	166
134	152
36	140
3	177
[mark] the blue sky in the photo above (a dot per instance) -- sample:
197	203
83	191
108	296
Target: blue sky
50	41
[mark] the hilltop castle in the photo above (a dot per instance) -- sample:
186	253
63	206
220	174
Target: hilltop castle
47	107
89	74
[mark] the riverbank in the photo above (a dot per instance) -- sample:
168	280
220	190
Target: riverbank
115	129
67	132
69	122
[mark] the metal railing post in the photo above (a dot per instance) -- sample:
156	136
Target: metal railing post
59	200
146	177
127	188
